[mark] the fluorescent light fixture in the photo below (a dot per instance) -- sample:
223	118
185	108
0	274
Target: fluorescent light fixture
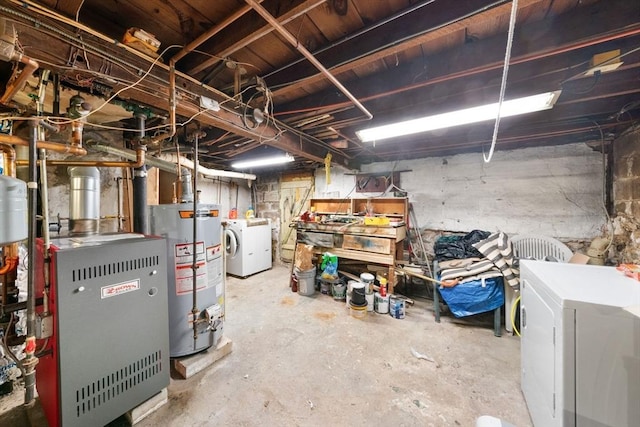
512	107
266	161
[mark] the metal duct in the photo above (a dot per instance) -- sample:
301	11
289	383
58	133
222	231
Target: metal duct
187	188
84	200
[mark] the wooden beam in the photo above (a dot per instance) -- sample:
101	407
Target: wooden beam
153	91
254	31
586	26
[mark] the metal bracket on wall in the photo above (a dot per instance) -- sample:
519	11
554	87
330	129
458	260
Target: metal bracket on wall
376	182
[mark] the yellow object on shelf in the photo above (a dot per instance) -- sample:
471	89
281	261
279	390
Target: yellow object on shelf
142	41
376	220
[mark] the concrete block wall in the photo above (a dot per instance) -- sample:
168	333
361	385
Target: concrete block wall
626	196
552	191
267	196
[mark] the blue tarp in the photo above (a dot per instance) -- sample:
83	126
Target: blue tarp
474	297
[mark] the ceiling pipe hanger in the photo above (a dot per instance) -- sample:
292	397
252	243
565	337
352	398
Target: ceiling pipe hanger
294	42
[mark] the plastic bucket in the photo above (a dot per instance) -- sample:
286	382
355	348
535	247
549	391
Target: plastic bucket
370	301
339	290
359	312
350	284
357	294
306	281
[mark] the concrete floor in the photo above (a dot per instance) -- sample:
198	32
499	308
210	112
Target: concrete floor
303	361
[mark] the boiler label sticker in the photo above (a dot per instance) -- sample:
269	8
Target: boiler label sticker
119	288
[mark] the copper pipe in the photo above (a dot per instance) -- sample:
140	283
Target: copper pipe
212	32
172	106
9	159
76	133
139	162
294	42
10	262
256	35
53	146
13	87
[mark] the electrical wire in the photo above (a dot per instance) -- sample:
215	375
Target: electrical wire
513	315
13	357
227	59
130	86
604	186
503	84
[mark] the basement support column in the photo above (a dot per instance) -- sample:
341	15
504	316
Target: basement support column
140	187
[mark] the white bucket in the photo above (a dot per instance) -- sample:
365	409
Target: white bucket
306	281
381	303
370	301
396	307
367	279
350	284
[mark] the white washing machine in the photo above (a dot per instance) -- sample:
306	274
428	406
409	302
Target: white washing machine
248	246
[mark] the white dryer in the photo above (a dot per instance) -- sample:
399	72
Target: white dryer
248	246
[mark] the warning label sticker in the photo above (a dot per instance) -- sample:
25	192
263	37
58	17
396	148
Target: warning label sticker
184	268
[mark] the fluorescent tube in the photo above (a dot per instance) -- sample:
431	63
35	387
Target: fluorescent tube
512	107
266	161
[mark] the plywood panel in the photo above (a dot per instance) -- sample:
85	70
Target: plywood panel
368	244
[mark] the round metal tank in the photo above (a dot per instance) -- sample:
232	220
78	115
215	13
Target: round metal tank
84	200
175	223
13	210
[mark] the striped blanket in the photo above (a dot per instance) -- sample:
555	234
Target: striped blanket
498	261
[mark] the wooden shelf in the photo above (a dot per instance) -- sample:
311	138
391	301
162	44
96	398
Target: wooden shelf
392	207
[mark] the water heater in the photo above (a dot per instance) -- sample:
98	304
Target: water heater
13	210
175	222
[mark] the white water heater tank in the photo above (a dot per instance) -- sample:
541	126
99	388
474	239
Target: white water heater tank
13	210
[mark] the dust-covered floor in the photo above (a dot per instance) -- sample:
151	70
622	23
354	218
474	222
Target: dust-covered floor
303	361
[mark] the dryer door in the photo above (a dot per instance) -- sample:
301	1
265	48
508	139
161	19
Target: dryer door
231	244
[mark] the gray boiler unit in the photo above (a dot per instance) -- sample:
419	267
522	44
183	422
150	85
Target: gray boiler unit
107	345
175	222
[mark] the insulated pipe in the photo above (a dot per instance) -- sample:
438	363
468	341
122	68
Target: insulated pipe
10	252
53	146
30	361
168	163
294	42
211	173
140	224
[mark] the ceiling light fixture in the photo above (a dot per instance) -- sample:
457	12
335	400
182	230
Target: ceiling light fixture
266	161
513	107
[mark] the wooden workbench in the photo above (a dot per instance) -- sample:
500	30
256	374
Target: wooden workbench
374	244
